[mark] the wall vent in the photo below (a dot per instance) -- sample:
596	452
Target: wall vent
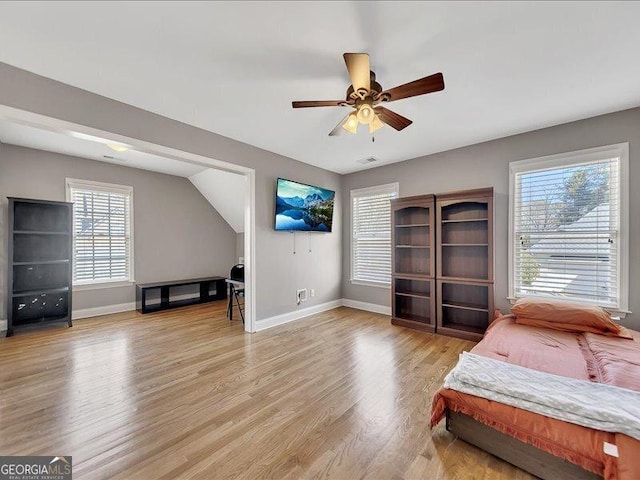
366	161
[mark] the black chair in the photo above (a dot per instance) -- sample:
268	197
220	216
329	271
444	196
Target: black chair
236	293
237	272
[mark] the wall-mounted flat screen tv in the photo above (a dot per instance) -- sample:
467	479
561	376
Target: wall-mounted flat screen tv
303	207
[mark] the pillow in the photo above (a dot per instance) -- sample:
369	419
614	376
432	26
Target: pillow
565	312
569	327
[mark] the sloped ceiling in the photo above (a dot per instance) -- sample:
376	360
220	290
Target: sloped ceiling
226	192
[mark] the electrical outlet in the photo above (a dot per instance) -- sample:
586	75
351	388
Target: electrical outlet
312	292
301	295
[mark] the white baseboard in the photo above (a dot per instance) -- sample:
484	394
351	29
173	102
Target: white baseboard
104	310
260	324
89	312
369	307
296	315
118	308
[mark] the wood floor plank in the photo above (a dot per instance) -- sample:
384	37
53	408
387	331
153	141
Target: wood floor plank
184	394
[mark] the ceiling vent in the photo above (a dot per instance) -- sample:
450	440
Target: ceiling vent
367	161
111	157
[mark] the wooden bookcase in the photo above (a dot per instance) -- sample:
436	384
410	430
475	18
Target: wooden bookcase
464	277
413	262
39	262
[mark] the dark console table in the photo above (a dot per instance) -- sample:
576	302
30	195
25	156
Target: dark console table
211	288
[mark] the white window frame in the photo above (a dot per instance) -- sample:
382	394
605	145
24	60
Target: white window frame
618	150
112	188
359	192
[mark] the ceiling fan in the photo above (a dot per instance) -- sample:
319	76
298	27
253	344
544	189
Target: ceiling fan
365	96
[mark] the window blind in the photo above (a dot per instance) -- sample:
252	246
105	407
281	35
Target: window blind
371	228
566	232
101	233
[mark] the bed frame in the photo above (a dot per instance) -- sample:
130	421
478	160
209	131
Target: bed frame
514	451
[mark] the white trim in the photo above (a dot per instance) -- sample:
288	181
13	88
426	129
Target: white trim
4	324
617	150
126	190
370	284
250	251
368	307
104	310
81	287
61	126
36	120
295	315
97	186
377	189
570	158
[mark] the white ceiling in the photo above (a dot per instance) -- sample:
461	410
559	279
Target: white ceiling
59	142
234	67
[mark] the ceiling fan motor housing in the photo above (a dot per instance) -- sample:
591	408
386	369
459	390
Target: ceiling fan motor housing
373	93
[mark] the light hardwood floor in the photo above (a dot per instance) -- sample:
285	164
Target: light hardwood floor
183	394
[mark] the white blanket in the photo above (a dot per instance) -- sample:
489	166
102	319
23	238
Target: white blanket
594	405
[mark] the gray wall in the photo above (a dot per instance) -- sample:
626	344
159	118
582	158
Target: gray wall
487	165
278	270
200	243
239	245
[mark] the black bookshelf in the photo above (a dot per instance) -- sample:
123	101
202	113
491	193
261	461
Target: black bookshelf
39	262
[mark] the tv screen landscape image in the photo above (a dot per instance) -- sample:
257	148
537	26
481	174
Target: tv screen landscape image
303	207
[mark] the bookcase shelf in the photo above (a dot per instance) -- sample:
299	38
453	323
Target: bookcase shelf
465	244
39	232
39	269
442	268
466	220
462	306
414	295
26	293
464	239
413	262
43	262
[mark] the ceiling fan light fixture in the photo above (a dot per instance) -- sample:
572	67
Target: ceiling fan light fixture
376	124
117	147
365	113
351	124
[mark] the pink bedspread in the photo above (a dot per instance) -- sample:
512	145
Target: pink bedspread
584	356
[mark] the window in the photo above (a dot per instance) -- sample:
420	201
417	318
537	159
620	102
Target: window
568	227
371	234
102	232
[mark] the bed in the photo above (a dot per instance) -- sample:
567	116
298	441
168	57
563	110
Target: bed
547	447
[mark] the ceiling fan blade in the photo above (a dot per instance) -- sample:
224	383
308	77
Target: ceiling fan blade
339	130
318	103
359	70
392	118
432	83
